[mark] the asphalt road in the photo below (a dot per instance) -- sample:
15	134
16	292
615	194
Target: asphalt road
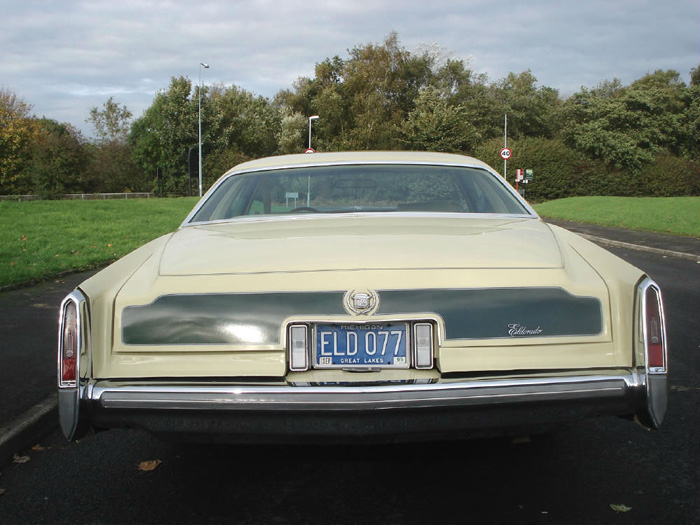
28	324
575	476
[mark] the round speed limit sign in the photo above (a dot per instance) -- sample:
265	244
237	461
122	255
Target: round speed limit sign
506	153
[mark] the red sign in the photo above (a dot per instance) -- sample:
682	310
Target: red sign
506	153
310	150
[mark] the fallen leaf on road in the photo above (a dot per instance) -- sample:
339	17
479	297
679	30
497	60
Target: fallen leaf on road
148	466
20	459
2	491
38	448
620	508
520	439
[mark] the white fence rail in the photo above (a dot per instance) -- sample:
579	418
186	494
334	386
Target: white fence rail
83	196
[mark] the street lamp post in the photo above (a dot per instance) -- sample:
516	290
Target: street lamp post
311	119
205	66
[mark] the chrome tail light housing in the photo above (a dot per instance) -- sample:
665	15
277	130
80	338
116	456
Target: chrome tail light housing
72	347
652	334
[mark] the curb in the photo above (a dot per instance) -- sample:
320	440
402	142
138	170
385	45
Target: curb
640	248
26	429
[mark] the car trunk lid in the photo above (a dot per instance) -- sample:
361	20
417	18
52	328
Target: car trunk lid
359	241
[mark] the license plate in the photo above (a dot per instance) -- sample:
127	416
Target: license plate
380	345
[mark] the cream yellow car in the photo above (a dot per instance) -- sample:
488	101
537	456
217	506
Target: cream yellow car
374	296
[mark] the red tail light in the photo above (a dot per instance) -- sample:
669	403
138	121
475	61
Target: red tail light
654	333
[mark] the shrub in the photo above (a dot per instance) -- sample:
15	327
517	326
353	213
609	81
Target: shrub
560	172
670	176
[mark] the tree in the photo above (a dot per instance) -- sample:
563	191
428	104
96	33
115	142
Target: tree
111	123
244	122
462	87
112	168
292	132
529	108
435	125
691	149
161	138
363	100
382	82
626	127
452	78
18	129
58	159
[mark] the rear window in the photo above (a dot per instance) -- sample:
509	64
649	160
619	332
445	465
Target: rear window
359	188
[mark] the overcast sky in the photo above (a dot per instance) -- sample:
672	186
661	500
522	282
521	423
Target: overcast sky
65	56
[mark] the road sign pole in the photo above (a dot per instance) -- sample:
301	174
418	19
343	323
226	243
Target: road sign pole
505	145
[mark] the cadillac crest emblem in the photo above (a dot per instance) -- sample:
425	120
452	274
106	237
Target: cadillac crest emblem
361	302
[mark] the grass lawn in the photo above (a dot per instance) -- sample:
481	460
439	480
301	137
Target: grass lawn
670	215
42	239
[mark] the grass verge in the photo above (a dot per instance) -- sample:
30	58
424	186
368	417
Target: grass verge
670	215
40	239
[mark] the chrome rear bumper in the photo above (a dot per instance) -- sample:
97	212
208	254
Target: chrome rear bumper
405	410
380	397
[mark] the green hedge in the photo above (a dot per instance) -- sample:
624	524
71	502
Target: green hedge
670	176
561	172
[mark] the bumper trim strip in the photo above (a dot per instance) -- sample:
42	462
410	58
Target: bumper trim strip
111	396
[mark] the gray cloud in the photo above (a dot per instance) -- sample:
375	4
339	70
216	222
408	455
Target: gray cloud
66	56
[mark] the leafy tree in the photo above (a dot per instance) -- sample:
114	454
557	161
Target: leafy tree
111	123
298	99
332	130
112	168
528	107
162	136
18	130
362	100
453	80
382	83
58	159
462	87
235	125
244	122
626	127
292	132
331	98
691	149
435	125
695	76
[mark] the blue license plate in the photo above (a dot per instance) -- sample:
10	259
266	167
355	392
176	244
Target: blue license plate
381	345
